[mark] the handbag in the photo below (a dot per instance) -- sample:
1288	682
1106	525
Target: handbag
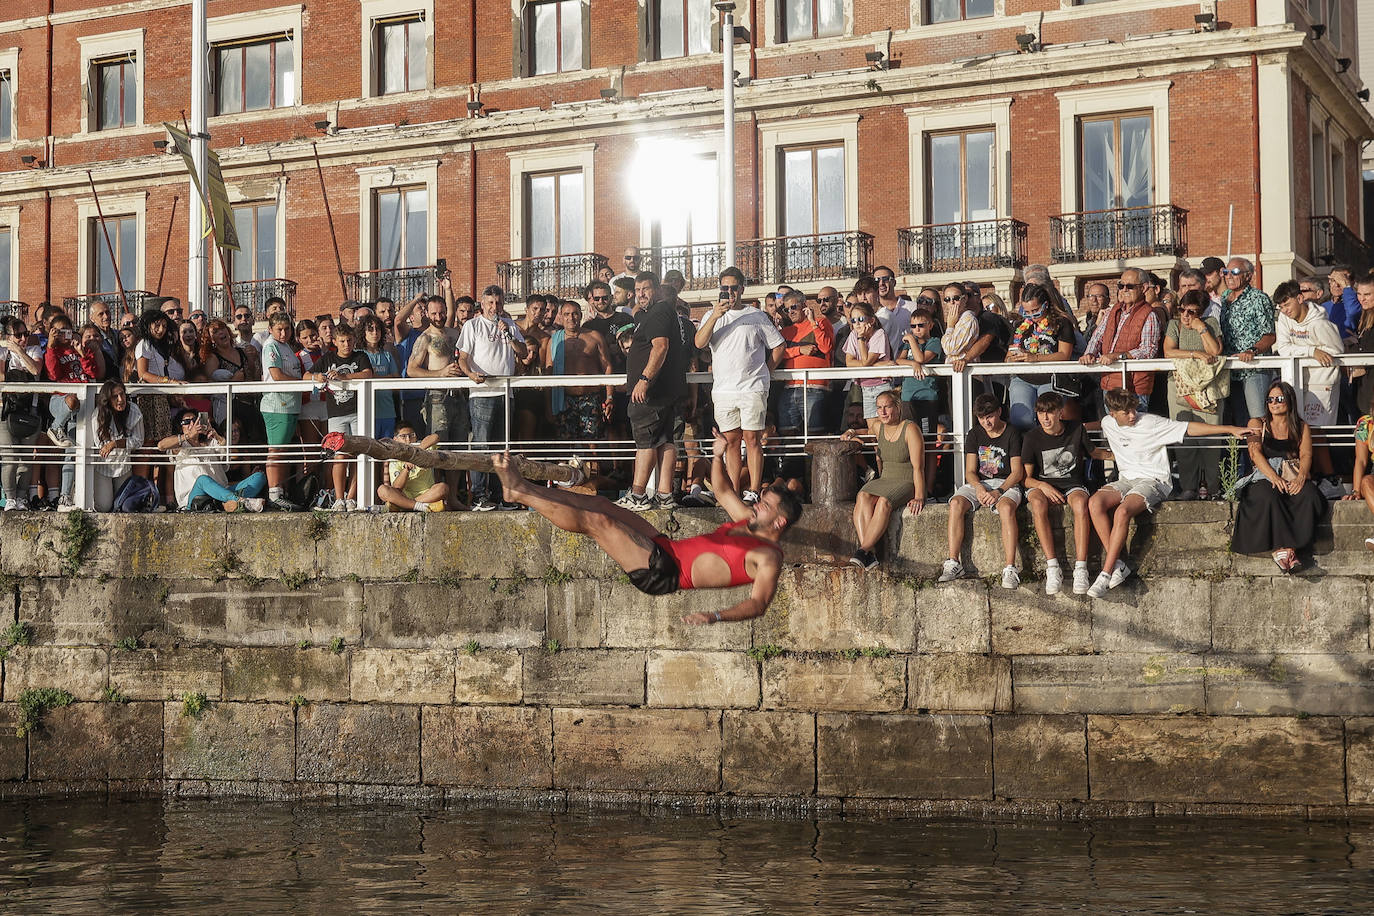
20	418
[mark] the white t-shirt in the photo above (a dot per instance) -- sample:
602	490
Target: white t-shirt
157	363
896	322
1140	450
740	343
488	352
194	462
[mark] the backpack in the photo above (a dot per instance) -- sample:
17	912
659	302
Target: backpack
138	494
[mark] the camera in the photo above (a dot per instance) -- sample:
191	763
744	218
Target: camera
440	268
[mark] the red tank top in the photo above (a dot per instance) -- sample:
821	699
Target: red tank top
732	548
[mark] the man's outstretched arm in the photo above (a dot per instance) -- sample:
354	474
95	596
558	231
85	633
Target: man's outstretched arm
760	596
722	489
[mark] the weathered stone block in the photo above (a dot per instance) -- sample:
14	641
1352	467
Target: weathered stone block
168	547
30	545
79	671
575	615
634	619
821	608
271	546
461	544
160	674
959	683
1217	759
505	613
401	676
924	544
870	684
1158	615
267	613
591	676
373	743
1293	615
1359	763
1040	757
349	547
716	680
954	617
1026	621
13	749
230	741
1179	538
89	611
1277	685
1123	683
769	752
661	750
98	741
281	674
494	746
579	556
903	756
489	676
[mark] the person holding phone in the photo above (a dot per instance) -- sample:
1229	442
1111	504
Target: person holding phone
199	467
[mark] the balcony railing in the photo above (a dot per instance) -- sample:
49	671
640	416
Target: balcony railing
10	307
563	275
1333	242
79	307
956	247
700	265
252	293
399	284
803	258
1115	235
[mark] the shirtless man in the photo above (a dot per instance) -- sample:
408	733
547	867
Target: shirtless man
579	412
435	355
743	550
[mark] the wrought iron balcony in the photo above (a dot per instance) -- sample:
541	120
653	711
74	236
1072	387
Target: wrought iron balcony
803	258
563	275
957	247
10	307
252	293
79	307
399	284
1333	242
700	265
1115	235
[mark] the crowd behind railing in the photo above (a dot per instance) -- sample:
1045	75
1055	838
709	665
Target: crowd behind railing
166	410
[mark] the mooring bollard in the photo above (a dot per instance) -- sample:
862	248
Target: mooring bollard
833	480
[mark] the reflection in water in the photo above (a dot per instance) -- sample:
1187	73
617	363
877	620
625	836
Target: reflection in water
248	856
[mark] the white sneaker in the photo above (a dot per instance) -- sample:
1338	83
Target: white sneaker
22	505
1054	579
1120	573
350	505
254	504
60	438
1100	585
750	497
340	505
1010	577
1368	542
65	504
952	570
1081	581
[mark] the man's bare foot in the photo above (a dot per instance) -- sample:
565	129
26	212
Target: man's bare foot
508	471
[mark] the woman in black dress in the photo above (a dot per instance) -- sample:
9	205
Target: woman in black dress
1279	505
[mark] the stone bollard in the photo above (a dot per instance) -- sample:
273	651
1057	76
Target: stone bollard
832	471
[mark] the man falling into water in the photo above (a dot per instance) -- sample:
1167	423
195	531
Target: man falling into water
743	550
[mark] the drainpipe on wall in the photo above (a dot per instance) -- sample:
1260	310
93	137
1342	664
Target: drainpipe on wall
48	154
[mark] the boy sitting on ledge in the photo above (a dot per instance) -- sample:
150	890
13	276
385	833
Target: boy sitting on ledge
409	487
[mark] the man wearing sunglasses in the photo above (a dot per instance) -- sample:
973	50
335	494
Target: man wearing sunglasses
810	345
894	316
629	264
1247	331
1129	331
1344	306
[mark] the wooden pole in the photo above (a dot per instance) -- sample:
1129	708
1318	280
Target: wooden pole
167	246
114	259
329	218
391	450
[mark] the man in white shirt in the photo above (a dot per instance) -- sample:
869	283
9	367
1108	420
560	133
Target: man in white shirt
488	346
892	314
745	345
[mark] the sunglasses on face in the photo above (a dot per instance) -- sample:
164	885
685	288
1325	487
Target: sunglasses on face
1125	286
954	298
1193	312
925	300
918	325
885	279
1276	399
794	308
1232	271
187	421
860	319
601	298
174	312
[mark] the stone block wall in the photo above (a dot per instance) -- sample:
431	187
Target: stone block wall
487	655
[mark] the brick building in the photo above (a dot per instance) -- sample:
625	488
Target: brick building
943	137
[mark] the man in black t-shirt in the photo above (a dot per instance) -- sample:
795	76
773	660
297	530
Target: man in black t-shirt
346	361
992	473
656	373
1054	453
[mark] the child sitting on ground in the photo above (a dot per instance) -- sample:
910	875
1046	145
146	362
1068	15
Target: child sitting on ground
1139	445
409	487
992	474
1055	454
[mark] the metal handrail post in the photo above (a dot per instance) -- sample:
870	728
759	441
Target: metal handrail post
83	490
366	471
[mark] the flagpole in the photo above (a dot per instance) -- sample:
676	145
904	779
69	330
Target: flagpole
105	231
167	245
197	266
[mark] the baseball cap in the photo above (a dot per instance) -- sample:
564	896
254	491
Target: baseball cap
1212	265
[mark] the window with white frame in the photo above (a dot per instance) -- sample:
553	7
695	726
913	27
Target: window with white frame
7	282
401	237
553	36
122	232
256	226
1116	170
254	74
554	204
401	60
813	205
803	19
681	28
954	10
116	91
961	193
6	106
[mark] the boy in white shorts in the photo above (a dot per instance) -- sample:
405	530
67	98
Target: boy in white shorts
992	474
1139	444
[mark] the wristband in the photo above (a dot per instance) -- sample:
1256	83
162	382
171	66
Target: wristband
644	378
716	614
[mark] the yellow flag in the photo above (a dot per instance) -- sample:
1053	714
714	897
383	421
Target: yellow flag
222	223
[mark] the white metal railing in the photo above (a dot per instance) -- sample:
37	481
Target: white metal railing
961	386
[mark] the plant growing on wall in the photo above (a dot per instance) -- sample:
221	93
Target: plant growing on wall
76	536
34	704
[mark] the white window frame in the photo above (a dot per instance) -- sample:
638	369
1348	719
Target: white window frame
9	61
373	10
9	219
87	216
1105	100
773	15
374	178
777	136
563	158
921	122
241	26
102	47
253	194
699	145
919	16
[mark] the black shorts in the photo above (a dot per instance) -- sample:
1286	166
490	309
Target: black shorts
661	576
652	424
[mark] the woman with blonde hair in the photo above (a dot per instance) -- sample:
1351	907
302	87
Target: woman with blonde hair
901	476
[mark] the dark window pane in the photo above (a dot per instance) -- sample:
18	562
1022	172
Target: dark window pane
6	281
976	8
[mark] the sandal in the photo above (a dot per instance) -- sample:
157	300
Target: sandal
1285	559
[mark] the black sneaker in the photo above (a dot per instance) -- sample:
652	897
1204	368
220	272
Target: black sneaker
666	501
483	505
859	559
504	506
282	504
870	559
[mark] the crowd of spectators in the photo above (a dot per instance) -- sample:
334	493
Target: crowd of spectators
1028	422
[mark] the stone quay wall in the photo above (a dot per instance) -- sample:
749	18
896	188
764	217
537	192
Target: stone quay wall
453	656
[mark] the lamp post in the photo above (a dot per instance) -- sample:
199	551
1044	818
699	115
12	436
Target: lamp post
726	8
198	262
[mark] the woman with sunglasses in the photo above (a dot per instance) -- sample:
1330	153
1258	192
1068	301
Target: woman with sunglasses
1197	390
1043	334
1280	506
866	346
